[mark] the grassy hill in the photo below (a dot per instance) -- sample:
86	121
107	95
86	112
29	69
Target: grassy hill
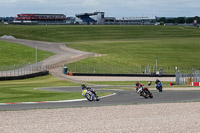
92	33
125	46
17	54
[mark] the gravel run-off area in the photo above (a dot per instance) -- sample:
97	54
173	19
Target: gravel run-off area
151	118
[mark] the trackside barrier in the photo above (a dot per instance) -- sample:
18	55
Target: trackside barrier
195	83
19	77
128	75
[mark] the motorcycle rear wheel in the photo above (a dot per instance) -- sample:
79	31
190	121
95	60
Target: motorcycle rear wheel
161	89
144	94
88	96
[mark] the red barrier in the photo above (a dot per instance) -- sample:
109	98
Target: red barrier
195	83
70	74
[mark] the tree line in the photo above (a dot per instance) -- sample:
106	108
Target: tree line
179	20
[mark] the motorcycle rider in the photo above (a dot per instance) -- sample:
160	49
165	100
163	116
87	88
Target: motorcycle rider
158	85
138	85
84	87
157	81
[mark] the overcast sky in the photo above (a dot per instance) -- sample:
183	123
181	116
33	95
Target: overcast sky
112	8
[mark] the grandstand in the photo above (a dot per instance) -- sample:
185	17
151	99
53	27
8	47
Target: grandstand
90	18
40	19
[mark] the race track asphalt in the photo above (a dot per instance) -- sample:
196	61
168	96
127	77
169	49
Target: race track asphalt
121	97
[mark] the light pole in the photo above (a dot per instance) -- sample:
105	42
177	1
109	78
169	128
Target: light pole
36	54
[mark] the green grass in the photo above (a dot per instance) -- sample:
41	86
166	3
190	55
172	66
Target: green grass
125	46
94	33
23	90
15	54
176	51
130	55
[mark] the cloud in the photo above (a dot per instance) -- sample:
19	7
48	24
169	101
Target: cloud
116	8
90	3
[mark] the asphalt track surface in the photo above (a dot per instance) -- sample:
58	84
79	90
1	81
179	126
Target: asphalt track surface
119	97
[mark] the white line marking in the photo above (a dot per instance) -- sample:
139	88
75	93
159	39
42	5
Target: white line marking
63	101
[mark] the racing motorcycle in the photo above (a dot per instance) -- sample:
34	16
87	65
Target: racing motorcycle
144	91
90	95
159	86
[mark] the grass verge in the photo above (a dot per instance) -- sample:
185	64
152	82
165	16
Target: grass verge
16	54
23	90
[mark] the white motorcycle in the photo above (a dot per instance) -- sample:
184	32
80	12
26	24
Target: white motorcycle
90	95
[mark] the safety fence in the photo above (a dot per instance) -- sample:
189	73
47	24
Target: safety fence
31	68
19	70
125	69
183	79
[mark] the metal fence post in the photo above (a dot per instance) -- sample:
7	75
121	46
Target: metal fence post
94	69
10	70
6	71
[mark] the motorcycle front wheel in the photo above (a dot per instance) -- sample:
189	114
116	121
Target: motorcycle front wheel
97	98
151	96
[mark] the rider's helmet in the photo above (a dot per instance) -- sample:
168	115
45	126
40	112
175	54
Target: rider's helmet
149	83
157	80
140	85
137	83
88	88
83	86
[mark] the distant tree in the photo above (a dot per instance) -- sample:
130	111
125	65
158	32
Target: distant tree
180	20
197	18
163	20
171	20
190	20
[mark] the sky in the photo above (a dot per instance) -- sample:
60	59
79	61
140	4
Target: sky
112	8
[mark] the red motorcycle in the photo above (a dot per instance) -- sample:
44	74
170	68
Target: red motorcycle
143	91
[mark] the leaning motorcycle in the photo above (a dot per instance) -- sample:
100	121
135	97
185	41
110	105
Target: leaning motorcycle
159	86
143	91
90	95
